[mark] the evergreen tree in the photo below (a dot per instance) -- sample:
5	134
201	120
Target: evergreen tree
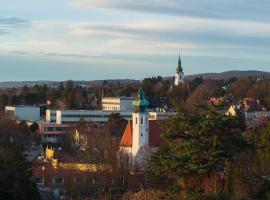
197	147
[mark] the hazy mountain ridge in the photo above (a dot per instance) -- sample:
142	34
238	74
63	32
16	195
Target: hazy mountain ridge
215	76
230	74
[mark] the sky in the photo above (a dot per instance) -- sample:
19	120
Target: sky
127	39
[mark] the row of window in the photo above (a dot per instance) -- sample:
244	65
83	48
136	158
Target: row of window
52	136
10	112
110	108
57	180
92	116
110	103
54	129
141	120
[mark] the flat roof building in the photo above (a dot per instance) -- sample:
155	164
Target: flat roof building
50	116
22	112
117	103
53	133
74	116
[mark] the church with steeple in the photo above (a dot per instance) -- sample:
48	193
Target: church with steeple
141	136
179	76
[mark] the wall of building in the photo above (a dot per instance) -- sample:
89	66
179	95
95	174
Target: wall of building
161	115
74	116
110	103
126	103
53	133
27	113
121	103
50	116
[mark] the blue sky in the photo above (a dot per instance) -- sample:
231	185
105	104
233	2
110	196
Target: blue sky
107	39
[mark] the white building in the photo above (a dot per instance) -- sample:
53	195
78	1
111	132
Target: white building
179	76
74	116
114	103
21	112
50	116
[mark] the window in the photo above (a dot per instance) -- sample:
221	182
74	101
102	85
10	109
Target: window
79	179
141	120
58	180
39	180
136	120
141	134
95	181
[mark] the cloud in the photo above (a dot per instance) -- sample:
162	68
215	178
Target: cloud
131	40
229	9
8	25
185	31
12	21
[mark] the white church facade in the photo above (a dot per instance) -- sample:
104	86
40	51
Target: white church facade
141	136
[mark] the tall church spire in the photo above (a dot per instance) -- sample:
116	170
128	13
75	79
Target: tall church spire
179	67
179	76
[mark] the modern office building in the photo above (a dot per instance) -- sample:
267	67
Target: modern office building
74	116
22	112
54	133
117	103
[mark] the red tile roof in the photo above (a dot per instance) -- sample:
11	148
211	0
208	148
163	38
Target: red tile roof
127	136
155	131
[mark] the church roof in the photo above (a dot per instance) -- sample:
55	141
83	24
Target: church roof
126	139
179	67
155	131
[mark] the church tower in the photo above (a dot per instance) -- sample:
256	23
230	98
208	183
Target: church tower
179	76
140	124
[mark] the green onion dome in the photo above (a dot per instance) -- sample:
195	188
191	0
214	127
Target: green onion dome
140	104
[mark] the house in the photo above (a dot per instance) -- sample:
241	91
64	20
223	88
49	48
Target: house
141	136
252	110
58	176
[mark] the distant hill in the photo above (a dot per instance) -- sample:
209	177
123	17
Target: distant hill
18	84
229	74
216	76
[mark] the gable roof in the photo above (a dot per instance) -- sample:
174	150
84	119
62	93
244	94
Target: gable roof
155	131
126	139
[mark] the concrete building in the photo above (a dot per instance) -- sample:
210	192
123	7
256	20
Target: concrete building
54	133
50	116
120	103
161	115
21	112
74	116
